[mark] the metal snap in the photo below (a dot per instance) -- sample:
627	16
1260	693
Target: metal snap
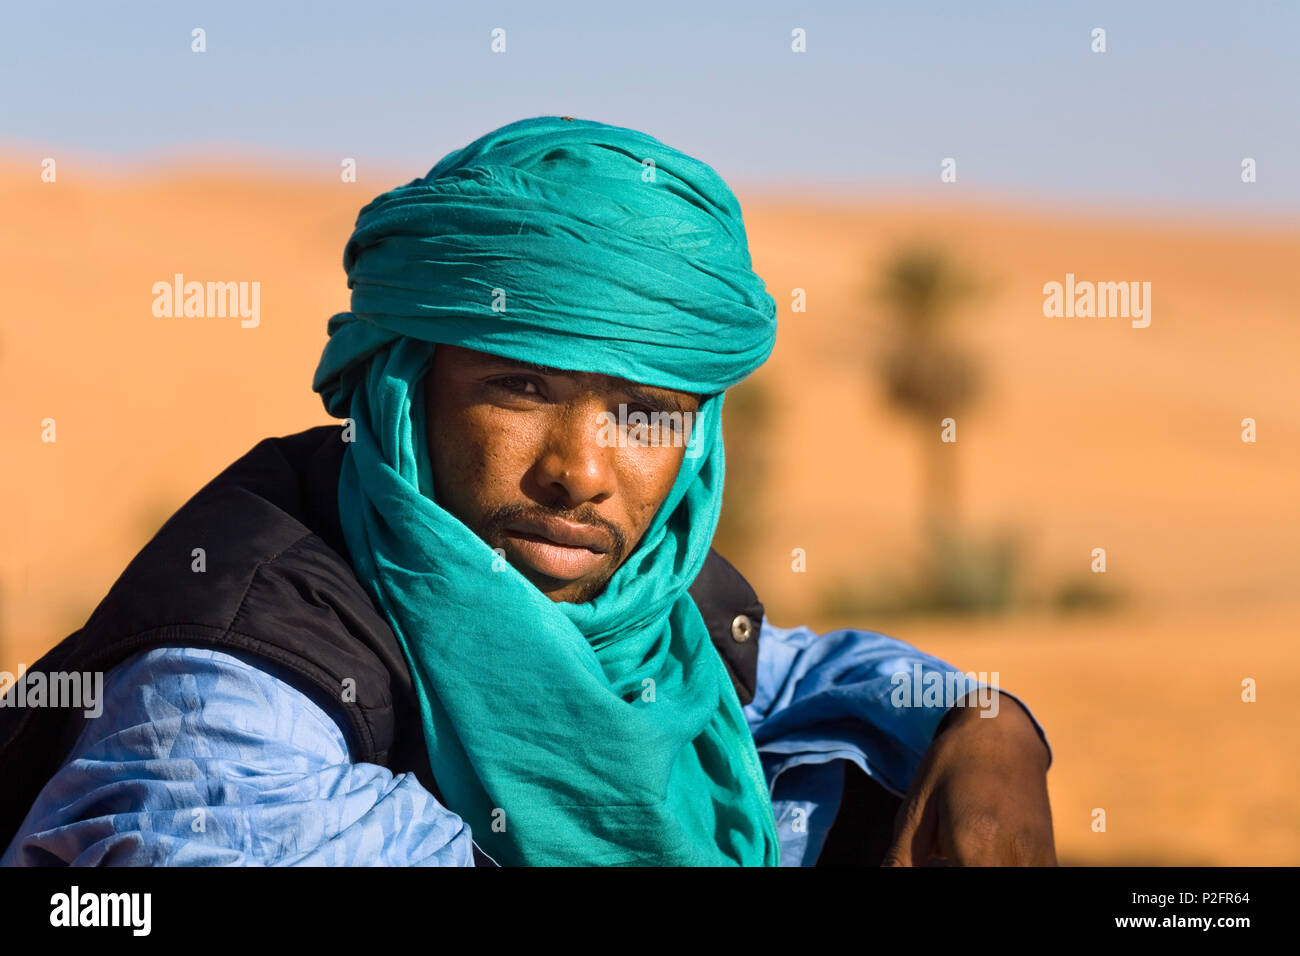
741	629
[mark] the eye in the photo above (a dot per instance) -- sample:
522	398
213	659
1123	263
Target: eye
659	428
517	385
665	420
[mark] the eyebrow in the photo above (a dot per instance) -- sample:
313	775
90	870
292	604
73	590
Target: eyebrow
637	393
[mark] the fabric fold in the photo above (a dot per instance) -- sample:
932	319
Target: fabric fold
546	241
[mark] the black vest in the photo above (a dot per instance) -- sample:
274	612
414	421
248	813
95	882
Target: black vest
278	584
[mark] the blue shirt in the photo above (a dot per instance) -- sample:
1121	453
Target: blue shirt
205	758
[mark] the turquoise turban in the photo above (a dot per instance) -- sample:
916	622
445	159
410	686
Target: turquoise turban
599	733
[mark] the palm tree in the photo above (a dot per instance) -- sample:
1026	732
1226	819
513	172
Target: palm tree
926	374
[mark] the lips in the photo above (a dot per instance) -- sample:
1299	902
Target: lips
557	548
559	531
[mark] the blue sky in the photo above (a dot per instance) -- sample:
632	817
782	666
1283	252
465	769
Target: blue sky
884	93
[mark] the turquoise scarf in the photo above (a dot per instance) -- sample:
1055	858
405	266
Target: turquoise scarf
563	734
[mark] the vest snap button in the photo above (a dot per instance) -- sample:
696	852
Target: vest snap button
741	629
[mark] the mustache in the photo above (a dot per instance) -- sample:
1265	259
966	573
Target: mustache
495	521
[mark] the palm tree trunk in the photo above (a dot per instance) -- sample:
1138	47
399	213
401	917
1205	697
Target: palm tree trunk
939	462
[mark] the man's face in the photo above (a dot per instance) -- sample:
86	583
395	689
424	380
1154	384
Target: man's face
522	456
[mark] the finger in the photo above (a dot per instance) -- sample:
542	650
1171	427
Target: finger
1034	843
1028	849
915	824
977	838
899	852
1034	847
905	821
915	832
1046	855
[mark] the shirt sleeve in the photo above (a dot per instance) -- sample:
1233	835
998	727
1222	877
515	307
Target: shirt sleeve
207	758
849	694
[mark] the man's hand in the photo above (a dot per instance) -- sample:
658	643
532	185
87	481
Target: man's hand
979	797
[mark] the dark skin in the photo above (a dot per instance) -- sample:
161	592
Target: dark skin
519	456
979	797
509	441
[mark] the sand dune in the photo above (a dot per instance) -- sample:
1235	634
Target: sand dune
1093	434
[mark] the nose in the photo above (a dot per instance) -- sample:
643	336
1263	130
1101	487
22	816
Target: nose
574	466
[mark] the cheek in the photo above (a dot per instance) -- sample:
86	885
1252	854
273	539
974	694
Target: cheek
646	475
484	454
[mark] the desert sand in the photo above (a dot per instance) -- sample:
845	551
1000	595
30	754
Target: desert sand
1091	434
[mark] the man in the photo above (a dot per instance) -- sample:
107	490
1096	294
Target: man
481	622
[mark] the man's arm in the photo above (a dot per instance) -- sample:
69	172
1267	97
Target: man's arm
980	794
204	758
840	696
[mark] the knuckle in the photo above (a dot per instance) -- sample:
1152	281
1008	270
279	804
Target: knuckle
1023	847
983	826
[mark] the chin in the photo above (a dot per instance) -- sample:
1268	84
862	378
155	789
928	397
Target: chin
572	592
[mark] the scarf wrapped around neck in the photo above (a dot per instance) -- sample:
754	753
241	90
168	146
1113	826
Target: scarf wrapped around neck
601	733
